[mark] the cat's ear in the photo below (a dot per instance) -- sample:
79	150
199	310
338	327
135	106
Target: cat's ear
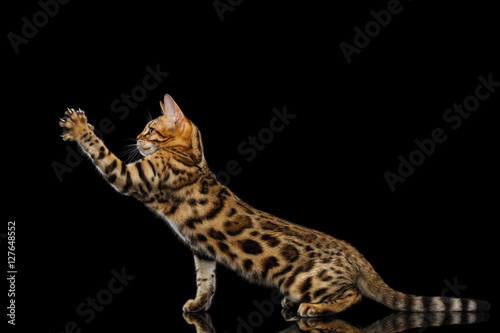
172	112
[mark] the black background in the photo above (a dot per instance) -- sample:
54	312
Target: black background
324	170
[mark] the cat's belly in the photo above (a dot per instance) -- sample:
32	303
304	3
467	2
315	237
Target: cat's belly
175	227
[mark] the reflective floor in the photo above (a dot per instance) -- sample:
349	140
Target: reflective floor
397	322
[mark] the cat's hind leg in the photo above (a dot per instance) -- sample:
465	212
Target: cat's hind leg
205	283
334	304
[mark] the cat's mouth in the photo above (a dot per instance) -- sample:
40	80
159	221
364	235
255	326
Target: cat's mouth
146	148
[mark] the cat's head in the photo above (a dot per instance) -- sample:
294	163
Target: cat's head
172	132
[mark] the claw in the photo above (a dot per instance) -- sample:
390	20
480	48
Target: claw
80	110
69	110
62	120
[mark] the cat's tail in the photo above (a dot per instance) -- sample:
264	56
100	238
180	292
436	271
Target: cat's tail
371	285
401	321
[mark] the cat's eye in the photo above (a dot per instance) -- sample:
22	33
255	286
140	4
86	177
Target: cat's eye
151	129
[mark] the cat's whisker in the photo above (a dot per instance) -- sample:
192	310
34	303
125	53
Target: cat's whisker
131	152
148	116
132	157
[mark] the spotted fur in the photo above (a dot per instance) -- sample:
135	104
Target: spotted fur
317	273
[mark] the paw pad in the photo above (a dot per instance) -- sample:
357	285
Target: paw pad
74	124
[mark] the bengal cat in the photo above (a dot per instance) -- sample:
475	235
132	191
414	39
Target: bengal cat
317	273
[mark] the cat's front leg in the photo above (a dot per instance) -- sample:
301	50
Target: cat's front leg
205	283
127	179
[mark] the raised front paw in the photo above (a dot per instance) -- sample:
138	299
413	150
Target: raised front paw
74	124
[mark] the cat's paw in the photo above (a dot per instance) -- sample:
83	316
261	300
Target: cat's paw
74	124
195	305
308	310
286	303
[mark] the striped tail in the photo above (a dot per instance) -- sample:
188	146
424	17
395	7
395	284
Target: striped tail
371	285
400	322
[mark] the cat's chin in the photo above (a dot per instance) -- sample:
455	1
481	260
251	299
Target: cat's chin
145	151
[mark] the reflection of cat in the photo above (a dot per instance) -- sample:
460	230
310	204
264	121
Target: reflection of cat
397	322
319	274
201	321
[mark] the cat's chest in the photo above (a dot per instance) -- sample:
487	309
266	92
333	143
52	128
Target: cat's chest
177	229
